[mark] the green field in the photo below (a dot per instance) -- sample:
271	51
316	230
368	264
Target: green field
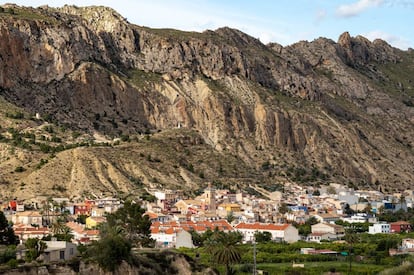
313	268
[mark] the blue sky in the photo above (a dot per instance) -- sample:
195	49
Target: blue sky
281	21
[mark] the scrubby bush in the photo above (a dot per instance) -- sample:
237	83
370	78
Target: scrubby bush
19	169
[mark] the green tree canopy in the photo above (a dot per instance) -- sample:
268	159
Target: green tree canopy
7	235
35	247
135	225
111	249
262	237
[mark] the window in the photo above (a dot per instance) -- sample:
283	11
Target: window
62	255
71	251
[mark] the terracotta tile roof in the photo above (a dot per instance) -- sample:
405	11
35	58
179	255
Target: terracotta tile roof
76	227
28	214
151	215
93	232
261	226
156	224
200	226
31	230
169	230
84	240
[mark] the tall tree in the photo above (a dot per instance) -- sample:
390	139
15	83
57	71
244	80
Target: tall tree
135	224
35	247
111	249
7	235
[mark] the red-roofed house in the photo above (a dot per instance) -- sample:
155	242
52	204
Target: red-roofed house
400	226
280	232
171	234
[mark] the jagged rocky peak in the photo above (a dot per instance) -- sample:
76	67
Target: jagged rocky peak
276	47
358	51
100	17
345	40
307	104
237	37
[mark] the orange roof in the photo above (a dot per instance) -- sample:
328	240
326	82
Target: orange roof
92	232
200	226
262	226
186	228
151	215
156	224
28	214
169	230
31	230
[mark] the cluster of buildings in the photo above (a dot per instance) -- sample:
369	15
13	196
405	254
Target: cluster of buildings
38	221
275	212
175	217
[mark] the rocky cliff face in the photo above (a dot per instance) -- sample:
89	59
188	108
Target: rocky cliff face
341	109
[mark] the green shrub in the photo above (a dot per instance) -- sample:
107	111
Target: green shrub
19	169
12	263
75	135
125	138
17	115
8	254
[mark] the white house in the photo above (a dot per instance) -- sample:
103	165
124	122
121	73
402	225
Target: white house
27	218
407	243
327	217
318	237
358	218
335	229
280	232
172	237
381	227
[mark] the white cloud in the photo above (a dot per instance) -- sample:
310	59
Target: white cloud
356	8
402	3
320	15
393	40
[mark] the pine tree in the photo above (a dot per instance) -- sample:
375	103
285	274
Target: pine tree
7	235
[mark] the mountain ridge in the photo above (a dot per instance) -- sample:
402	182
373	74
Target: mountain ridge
340	111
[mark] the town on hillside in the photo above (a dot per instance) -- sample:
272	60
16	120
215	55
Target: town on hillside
308	214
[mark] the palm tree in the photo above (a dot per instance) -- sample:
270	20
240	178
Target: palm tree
57	227
46	211
223	248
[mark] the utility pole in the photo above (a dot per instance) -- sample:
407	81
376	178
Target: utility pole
254	257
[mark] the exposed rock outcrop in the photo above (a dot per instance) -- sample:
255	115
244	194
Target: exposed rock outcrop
320	104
